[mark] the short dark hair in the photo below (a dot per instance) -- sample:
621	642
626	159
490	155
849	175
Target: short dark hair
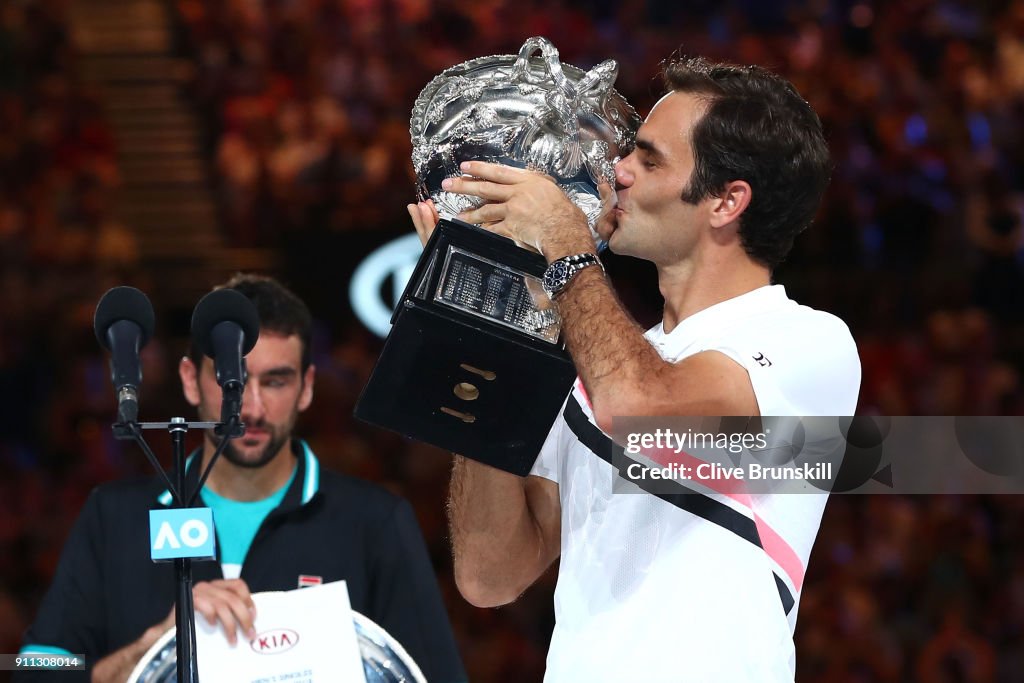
280	311
759	129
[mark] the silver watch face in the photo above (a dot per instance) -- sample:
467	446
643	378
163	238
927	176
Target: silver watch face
556	275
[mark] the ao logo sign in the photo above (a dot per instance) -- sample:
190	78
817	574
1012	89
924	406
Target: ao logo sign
179	533
395	261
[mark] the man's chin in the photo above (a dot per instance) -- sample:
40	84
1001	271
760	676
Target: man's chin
251	457
247	463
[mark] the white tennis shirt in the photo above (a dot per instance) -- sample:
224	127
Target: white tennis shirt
704	586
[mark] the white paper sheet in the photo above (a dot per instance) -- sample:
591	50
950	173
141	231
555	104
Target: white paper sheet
303	636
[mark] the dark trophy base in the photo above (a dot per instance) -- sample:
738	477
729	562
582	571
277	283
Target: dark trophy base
472	365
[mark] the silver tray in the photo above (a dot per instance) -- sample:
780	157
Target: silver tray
384	659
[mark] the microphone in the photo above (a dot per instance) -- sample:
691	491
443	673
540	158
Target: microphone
225	327
123	324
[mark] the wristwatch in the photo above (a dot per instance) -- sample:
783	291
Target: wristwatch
560	272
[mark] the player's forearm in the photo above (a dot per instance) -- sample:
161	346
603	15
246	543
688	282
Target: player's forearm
617	364
498	547
118	665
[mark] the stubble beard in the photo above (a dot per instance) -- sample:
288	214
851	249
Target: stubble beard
235	457
279	436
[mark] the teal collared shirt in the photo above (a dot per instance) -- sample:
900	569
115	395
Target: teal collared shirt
238	522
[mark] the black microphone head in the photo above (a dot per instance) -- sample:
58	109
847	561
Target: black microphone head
123	303
224	305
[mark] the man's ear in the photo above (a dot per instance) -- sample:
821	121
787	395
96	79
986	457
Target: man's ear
731	203
189	374
306	397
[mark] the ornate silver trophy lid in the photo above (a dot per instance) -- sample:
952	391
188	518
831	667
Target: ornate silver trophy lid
527	111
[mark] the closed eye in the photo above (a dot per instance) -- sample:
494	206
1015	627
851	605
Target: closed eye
278	378
649	154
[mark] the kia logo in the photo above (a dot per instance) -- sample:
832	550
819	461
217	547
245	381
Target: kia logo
274	642
391	264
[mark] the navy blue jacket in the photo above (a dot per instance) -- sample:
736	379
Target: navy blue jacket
107	590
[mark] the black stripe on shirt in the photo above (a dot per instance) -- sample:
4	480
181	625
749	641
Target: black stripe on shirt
691	501
787	597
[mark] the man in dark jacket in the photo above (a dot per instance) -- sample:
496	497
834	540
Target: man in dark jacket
281	523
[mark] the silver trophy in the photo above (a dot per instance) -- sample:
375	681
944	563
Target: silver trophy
475	336
384	659
522	110
529	111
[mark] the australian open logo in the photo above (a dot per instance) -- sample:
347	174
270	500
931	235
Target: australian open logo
378	282
274	642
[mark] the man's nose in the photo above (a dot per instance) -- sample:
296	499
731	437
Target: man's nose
623	173
252	401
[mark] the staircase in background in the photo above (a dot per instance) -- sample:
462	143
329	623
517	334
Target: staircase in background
126	50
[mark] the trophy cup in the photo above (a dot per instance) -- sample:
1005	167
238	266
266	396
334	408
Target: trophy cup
474	362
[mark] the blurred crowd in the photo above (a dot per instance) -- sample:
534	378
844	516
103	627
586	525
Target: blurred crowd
306	102
60	246
920	237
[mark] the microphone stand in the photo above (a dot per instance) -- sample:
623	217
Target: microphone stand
177	427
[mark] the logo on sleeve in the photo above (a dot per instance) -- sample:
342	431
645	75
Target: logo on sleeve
306	580
761	360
